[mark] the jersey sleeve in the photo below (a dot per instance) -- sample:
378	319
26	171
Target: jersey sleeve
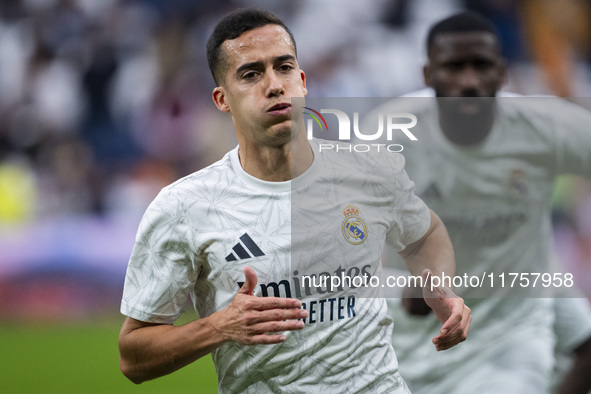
572	323
162	268
572	127
411	216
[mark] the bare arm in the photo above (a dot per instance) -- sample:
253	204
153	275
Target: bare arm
149	350
433	255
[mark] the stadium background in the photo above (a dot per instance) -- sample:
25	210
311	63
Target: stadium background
104	102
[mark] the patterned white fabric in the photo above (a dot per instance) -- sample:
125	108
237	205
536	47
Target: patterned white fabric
200	232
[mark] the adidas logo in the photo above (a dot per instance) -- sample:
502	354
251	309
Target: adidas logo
245	249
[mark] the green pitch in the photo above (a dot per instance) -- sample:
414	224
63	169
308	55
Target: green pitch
83	358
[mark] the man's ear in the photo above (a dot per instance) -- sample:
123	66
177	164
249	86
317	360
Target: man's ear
220	99
303	76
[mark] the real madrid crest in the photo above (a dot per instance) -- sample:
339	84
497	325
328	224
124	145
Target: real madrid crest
518	183
354	228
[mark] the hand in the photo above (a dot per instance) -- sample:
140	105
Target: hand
450	310
248	319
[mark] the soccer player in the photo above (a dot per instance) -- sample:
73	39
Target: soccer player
487	167
241	236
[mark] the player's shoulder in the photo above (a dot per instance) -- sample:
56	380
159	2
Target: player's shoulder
541	107
199	182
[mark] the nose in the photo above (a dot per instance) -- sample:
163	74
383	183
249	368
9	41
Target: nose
469	81
274	85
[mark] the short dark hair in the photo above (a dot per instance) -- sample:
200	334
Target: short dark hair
461	23
232	26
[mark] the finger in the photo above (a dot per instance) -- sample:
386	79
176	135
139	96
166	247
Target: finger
468	323
275	326
440	348
452	333
266	303
467	327
265	339
450	342
453	338
444	344
250	281
462	328
459	330
458	334
253	318
451	322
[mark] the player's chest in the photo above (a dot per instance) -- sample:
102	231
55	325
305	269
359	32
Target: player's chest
444	179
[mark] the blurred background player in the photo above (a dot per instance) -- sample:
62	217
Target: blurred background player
487	167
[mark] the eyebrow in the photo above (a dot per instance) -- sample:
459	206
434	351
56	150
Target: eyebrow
247	66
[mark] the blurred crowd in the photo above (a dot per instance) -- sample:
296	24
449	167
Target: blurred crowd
104	102
101	104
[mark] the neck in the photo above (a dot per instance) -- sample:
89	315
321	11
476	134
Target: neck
467	130
276	163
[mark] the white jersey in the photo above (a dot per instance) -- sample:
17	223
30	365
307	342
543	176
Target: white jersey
200	232
494	199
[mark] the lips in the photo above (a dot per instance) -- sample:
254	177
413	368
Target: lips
280	109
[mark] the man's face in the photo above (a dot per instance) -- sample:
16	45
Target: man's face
465	65
262	76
